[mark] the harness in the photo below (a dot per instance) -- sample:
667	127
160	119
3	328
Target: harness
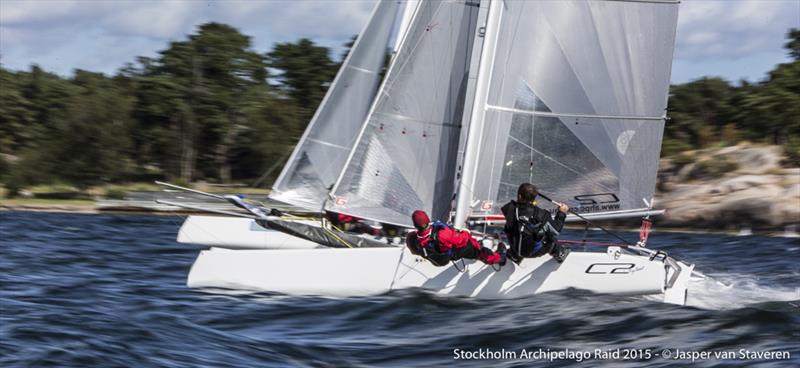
538	230
431	250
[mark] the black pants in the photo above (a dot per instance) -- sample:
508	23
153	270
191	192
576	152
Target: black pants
527	250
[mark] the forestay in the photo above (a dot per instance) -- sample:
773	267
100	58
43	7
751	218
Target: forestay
405	157
322	151
576	103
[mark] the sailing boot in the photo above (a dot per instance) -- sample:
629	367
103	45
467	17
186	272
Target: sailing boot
559	253
514	256
503	251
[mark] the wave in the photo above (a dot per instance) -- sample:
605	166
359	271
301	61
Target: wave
723	291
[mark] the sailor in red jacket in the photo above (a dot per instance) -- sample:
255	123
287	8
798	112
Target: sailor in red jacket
441	243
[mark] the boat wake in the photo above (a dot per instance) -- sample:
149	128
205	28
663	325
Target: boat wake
725	291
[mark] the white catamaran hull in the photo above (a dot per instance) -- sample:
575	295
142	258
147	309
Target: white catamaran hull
237	233
370	271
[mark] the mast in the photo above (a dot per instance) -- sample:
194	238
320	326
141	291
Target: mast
407	13
477	115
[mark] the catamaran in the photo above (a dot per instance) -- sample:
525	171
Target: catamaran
479	97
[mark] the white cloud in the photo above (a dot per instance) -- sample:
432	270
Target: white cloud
703	37
94	34
26	12
103	34
161	20
697	11
730	30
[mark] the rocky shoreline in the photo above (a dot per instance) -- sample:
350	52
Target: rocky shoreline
732	188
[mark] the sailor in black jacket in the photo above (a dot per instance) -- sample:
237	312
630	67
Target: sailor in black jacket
532	231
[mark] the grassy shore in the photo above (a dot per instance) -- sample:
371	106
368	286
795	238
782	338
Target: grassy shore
48	205
113	190
41	198
45	202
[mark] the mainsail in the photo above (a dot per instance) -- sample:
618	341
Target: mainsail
575	104
405	157
321	154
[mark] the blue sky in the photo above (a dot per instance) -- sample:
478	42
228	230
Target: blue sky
733	39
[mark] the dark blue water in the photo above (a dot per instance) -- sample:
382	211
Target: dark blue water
108	290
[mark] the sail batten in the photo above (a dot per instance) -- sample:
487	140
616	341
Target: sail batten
572	115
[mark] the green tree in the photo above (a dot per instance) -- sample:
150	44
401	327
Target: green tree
793	45
16	113
306	71
271	128
193	95
90	145
30	103
711	110
698	109
770	111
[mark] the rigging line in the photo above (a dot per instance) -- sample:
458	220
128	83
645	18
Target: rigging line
396	269
576	172
435	58
417	121
472	193
573	115
533	128
451	54
668	2
336	236
521	142
395	68
382	91
417	50
272	168
494	151
588	222
314	118
412	51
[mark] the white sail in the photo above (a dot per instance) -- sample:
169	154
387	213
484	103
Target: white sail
576	104
405	157
322	151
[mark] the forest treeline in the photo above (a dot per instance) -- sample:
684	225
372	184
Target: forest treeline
211	108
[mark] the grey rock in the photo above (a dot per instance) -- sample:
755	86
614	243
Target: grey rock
759	194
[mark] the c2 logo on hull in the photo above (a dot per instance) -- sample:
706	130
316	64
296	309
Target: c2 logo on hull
610	268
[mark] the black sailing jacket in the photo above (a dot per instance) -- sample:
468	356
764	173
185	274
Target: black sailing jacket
541	215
